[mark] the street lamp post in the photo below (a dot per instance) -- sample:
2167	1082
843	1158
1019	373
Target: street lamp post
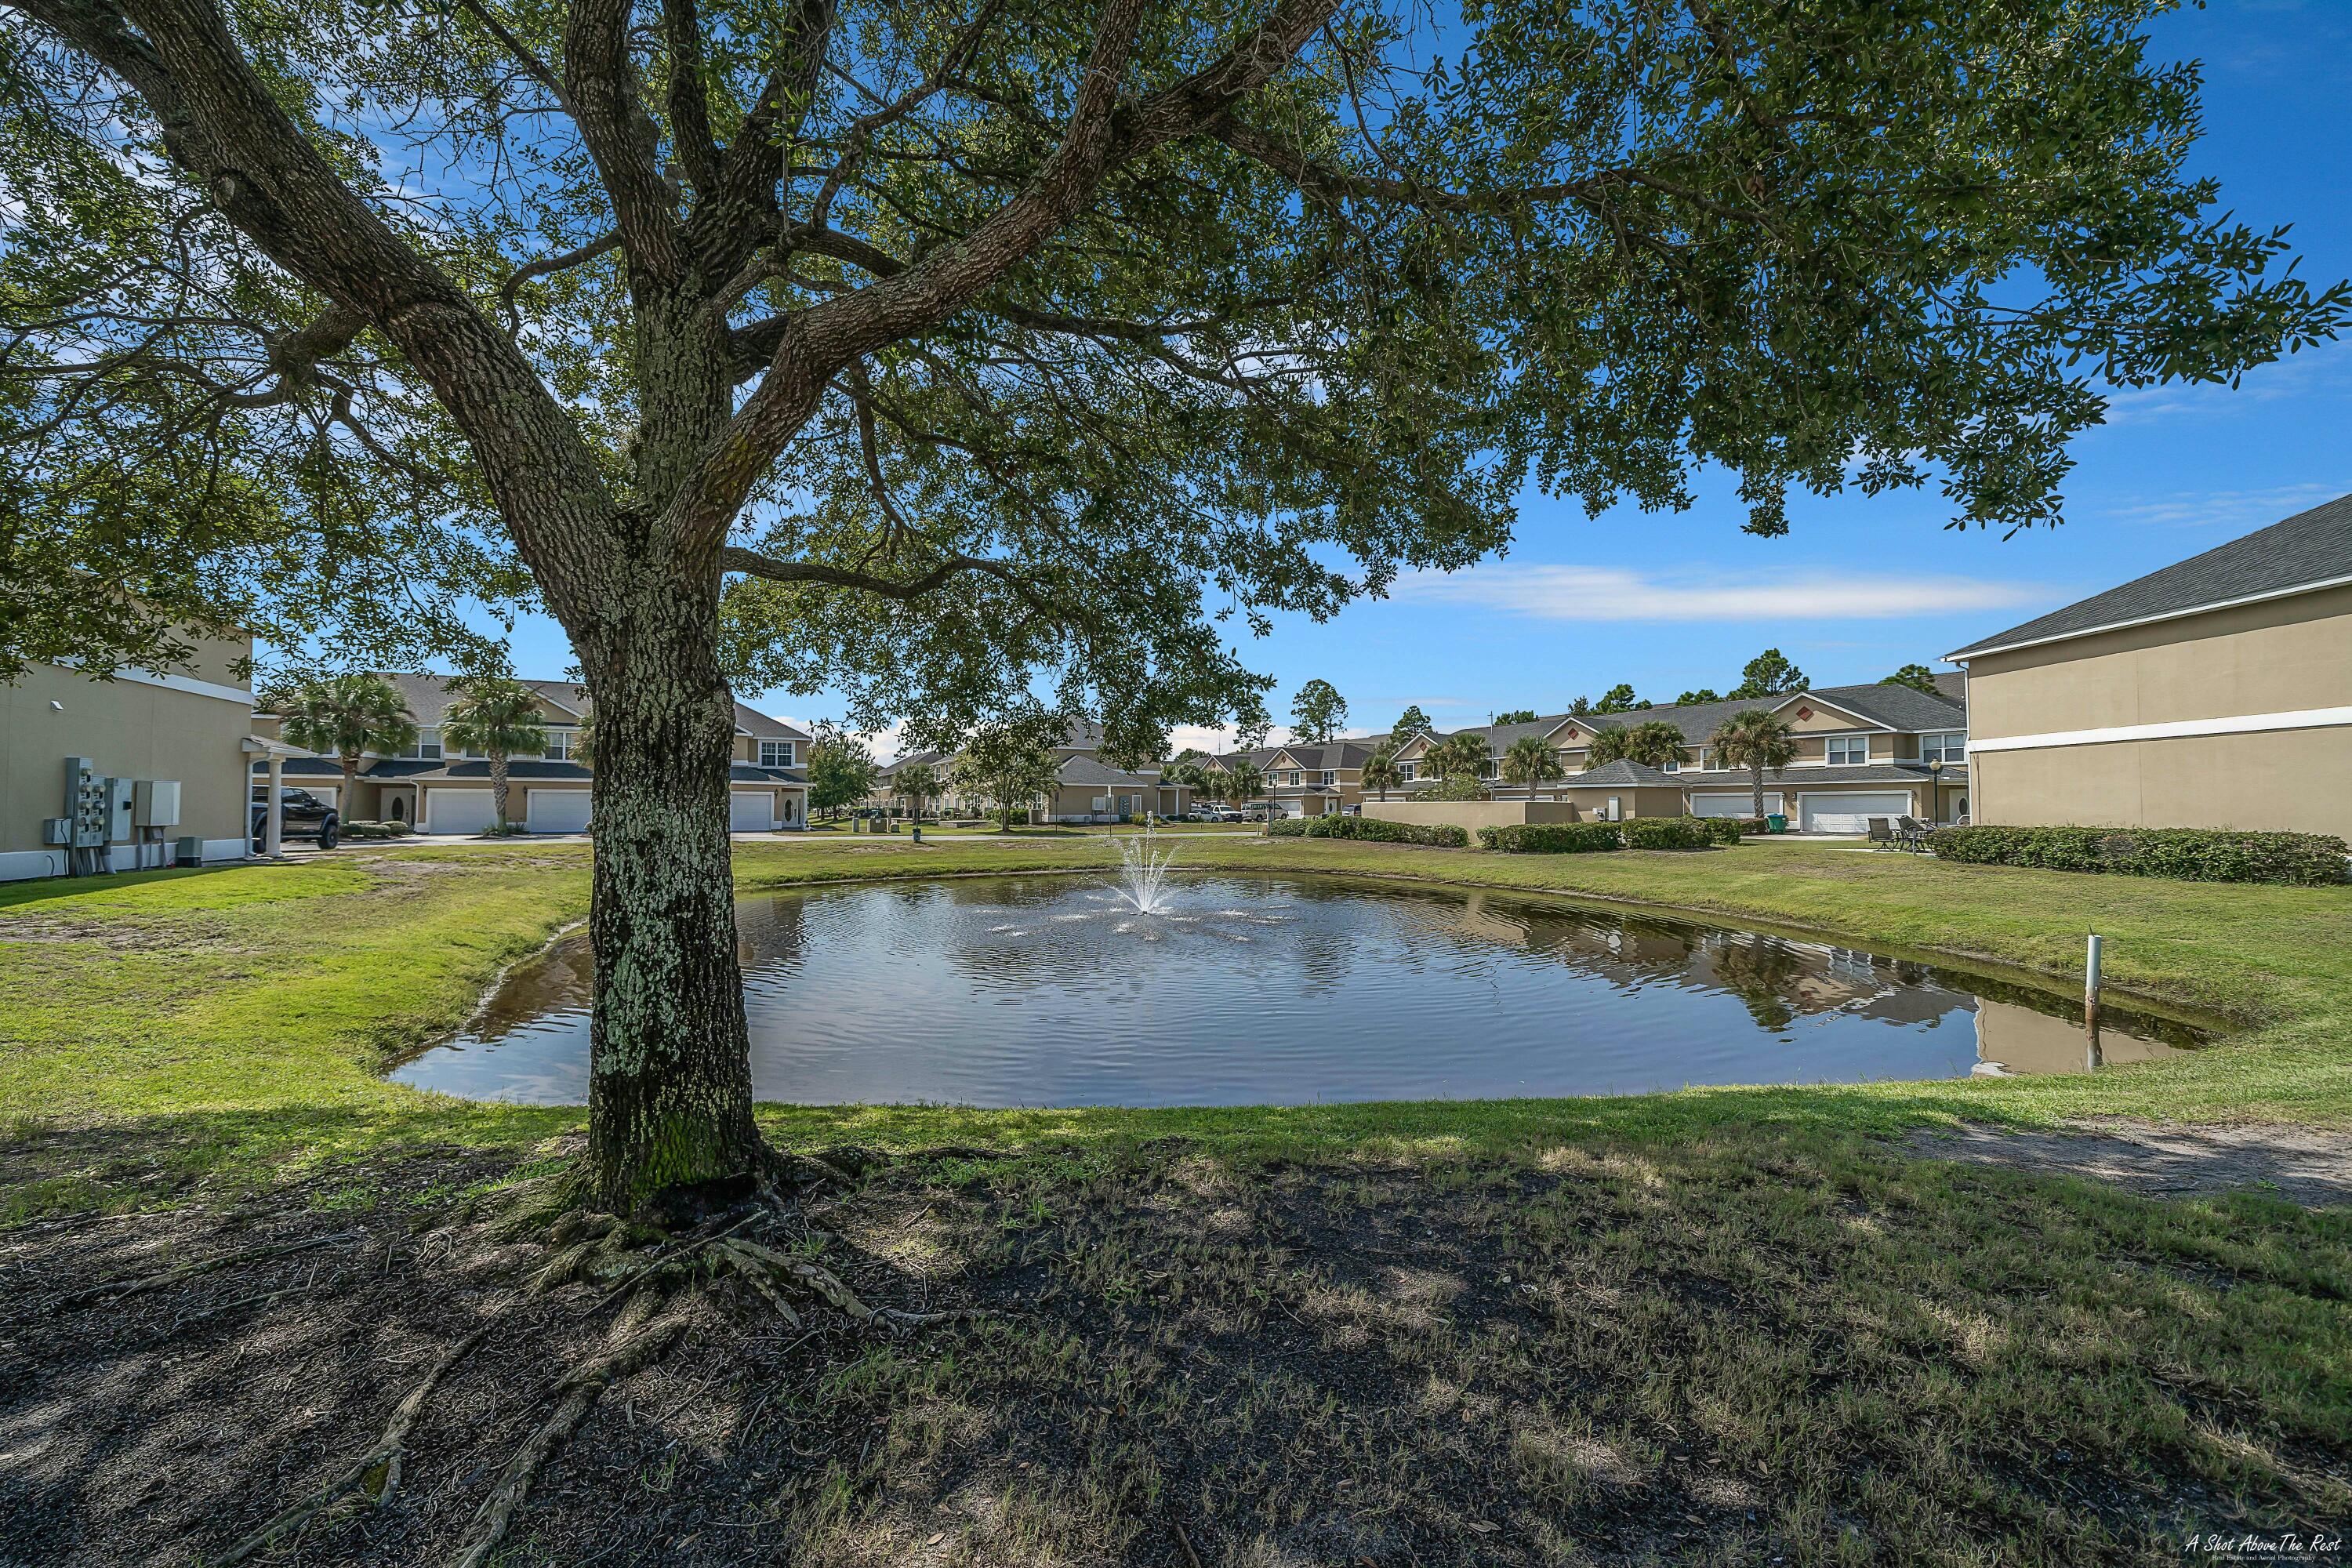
1936	793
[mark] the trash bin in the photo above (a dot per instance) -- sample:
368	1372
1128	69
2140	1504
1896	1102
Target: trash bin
1776	823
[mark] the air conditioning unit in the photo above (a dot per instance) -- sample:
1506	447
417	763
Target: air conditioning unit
188	851
155	803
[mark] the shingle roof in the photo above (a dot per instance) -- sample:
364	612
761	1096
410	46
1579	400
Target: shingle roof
766	728
2308	548
1333	754
1089	769
1818	777
1620	773
913	759
1904	708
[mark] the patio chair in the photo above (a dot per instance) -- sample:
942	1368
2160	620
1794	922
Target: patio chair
1882	836
1911	832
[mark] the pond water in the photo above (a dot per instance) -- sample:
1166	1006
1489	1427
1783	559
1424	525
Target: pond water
1026	991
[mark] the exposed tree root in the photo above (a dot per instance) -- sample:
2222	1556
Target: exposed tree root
118	1290
633	1343
380	1464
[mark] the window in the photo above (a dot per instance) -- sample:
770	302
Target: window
1849	749
1948	748
1408	772
427	747
1705	759
1330	777
775	754
559	745
1673	765
1290	777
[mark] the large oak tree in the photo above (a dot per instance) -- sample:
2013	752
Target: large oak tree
955	349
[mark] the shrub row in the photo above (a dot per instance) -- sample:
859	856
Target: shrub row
2189	853
1553	837
1672	833
362	829
1443	836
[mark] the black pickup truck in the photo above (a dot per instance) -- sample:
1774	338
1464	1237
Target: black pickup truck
301	814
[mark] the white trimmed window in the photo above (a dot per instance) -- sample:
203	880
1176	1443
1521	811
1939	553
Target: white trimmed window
559	745
1291	777
1409	771
1673	765
427	747
1846	751
775	754
1330	777
1951	746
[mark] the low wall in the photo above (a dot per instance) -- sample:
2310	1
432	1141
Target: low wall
1471	815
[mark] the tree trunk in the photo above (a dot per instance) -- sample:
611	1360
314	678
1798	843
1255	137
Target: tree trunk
351	785
1760	794
670	1069
499	788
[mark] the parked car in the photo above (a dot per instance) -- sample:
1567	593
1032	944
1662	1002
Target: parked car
301	815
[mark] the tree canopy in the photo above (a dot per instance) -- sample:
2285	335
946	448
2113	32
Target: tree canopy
1917	677
1768	674
1318	711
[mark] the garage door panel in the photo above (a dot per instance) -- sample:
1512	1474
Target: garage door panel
751	811
459	810
1850	813
1733	805
557	811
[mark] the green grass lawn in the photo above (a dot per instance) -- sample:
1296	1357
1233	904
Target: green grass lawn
235	1020
1734	1325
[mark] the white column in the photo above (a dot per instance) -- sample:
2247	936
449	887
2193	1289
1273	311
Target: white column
273	829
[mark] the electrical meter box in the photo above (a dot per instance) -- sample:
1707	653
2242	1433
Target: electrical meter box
85	806
155	803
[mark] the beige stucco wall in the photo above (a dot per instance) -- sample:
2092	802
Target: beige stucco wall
1591	801
130	728
1471	815
2294	780
2283	656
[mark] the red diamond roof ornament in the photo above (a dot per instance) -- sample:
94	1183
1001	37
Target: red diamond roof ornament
1804	713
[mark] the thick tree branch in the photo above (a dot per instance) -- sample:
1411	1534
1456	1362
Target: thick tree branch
735	558
603	91
226	130
690	95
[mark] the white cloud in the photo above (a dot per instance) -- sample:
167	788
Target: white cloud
2230	509
1558	593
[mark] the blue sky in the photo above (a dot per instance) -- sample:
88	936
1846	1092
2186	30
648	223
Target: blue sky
1862	586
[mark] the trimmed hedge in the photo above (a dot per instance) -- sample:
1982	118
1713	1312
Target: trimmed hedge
1668	833
1443	836
1551	838
362	829
2187	854
1731	829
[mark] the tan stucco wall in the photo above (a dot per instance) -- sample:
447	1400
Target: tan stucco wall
131	730
1591	801
1471	815
2294	780
2283	655
2278	656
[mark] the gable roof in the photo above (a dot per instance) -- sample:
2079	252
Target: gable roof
748	722
2310	550
1088	769
1620	772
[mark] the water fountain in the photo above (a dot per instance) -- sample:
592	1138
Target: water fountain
1141	872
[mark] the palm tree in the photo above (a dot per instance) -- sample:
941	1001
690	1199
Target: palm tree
917	782
1381	771
498	718
1653	744
1529	761
344	716
1244	782
1756	740
1461	760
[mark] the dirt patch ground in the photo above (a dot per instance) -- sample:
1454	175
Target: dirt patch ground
2312	1166
1757	1355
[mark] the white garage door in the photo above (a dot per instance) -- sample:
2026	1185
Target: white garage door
557	811
751	811
459	811
1733	805
1850	813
